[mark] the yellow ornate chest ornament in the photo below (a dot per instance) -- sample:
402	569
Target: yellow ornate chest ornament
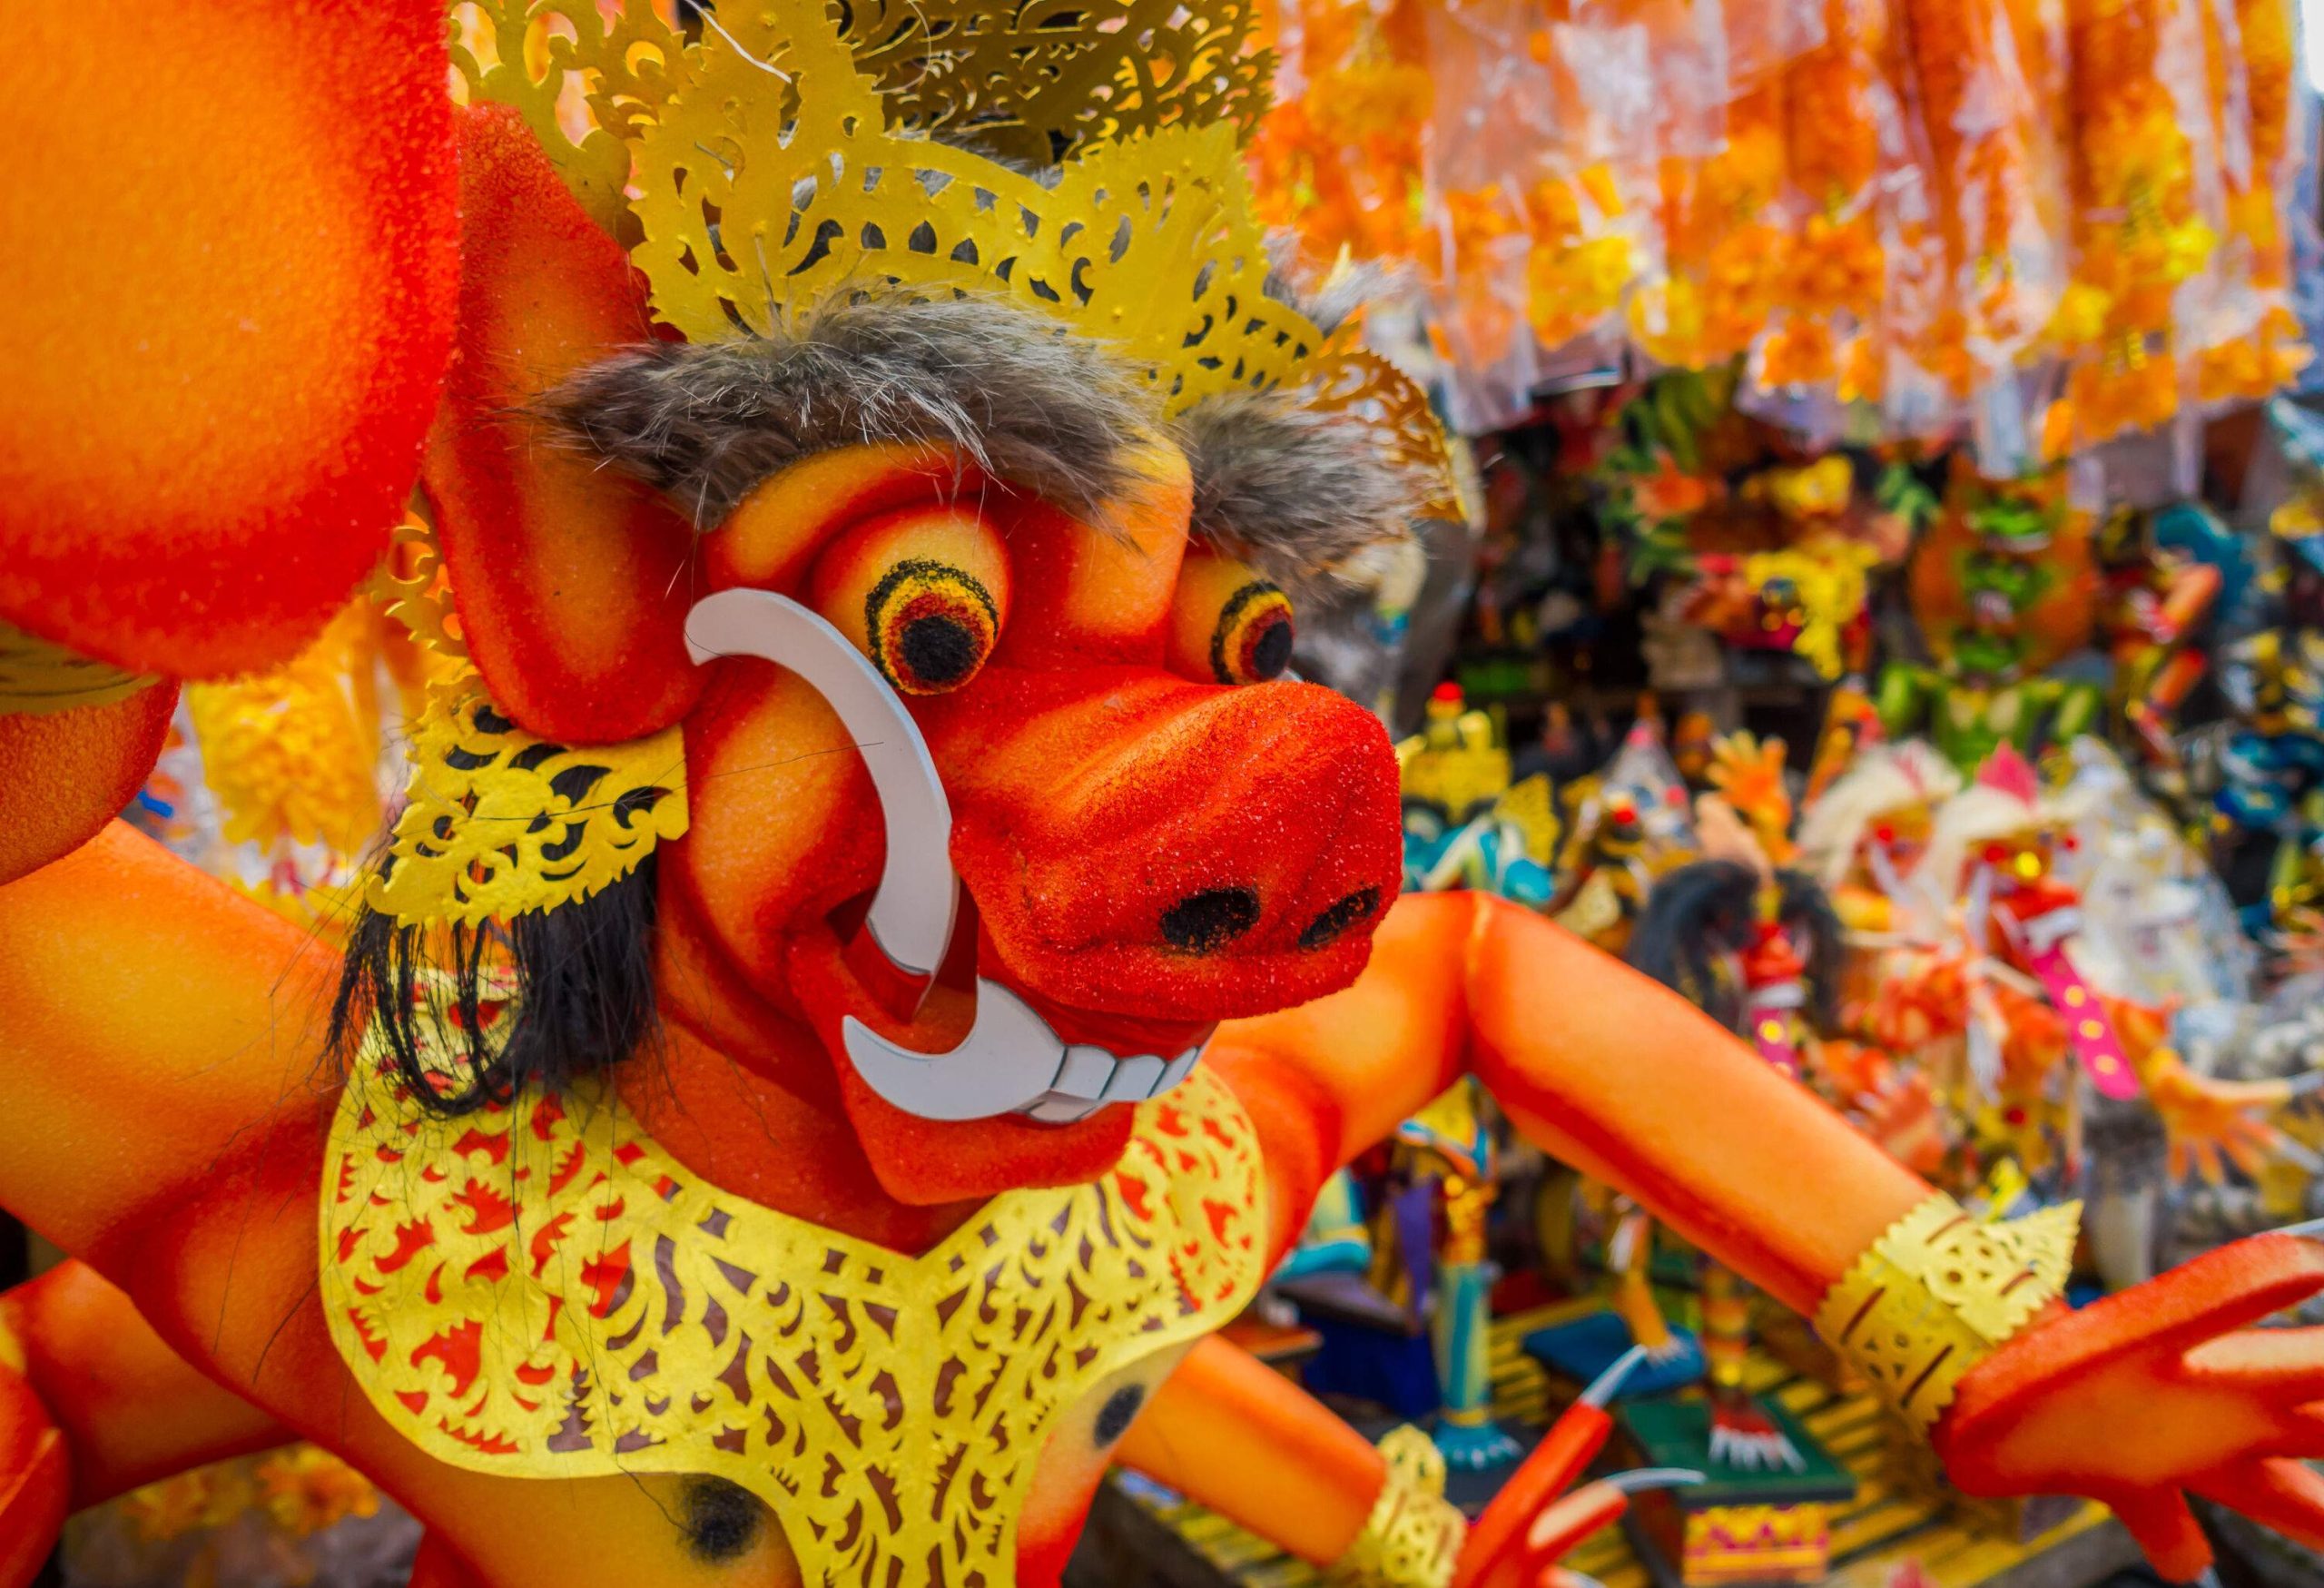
536	1290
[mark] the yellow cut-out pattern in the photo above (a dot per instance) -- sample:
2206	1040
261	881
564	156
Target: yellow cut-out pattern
37	677
1937	1293
1345	377
585	82
538	1290
500	821
776	179
410	585
1038	79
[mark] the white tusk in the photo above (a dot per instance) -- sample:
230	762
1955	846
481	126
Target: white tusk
911	913
1009	1060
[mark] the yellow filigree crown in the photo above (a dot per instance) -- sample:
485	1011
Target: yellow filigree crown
1080	159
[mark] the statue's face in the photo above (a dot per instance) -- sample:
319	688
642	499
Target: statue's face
1152	831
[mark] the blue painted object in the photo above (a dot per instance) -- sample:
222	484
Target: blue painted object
1587	1346
1398	1371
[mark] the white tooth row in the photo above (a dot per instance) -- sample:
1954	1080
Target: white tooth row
1088	1079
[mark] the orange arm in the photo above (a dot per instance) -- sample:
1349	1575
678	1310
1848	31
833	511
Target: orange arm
2151	1393
1626	1080
1607	1069
1230	1433
149	1019
131	1409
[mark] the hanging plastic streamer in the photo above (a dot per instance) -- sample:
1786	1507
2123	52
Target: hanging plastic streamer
2044	223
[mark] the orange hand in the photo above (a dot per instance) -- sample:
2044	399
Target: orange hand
2143	1396
2207	1119
1527	1528
1499	1542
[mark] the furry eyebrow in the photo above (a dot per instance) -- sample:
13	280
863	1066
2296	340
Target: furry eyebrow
1293	490
1018	396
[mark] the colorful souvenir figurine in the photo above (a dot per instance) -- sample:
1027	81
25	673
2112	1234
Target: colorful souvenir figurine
1864	833
2269	782
2003	585
1993	849
1449	1144
876	964
2165	574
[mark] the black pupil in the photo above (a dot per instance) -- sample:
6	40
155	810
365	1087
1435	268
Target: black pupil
1272	653
1114	1416
938	650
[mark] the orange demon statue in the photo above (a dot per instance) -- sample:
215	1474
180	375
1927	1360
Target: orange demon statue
877	960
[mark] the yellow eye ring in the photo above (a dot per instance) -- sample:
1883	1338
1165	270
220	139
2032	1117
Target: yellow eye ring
1253	640
930	626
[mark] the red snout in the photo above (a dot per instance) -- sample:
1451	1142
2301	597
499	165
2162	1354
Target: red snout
1142	845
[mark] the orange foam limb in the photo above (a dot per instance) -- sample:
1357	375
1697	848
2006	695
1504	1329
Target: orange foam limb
1230	1433
1609	1070
128	1407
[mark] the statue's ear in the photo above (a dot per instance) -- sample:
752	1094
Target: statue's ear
572	580
228	285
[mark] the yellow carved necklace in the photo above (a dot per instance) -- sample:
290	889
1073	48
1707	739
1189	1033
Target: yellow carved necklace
537	1290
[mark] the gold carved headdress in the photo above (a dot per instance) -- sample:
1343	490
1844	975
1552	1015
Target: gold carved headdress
1078	157
801	147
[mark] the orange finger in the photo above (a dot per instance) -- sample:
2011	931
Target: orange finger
2285	1495
2167	1534
1570	1445
2283	1364
1566	1523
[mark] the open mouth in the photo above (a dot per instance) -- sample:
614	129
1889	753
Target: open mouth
1013	1062
1022	1055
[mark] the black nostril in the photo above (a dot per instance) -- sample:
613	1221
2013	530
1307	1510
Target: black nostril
1326	927
1209	919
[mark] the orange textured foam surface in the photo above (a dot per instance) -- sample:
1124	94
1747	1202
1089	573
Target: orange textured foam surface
573	582
1086	804
232	257
65	775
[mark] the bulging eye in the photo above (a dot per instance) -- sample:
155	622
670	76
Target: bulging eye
930	626
1229	626
924	593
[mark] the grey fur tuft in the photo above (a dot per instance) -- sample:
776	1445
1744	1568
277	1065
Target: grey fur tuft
1294	490
1029	404
1331	300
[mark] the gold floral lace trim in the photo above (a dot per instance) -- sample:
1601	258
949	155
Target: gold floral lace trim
537	1290
1936	1294
1413	1538
499	822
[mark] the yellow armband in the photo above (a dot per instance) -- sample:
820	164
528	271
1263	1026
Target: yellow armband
1939	1293
1413	1537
